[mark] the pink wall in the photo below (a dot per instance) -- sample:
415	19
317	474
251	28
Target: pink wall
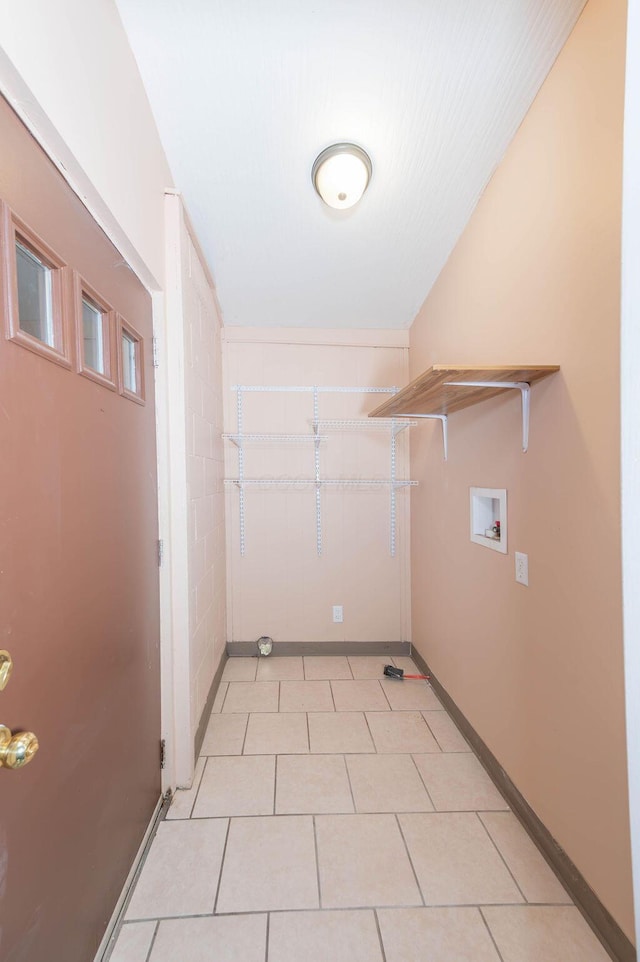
535	278
280	587
97	121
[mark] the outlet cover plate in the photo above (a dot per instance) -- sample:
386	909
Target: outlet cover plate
337	614
522	568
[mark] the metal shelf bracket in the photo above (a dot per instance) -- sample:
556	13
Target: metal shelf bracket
445	430
525	393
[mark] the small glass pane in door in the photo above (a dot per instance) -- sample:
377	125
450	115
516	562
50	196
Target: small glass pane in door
35	301
92	332
129	363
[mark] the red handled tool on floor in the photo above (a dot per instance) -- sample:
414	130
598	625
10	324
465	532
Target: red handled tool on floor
393	672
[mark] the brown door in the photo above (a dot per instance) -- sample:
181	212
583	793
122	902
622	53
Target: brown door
78	563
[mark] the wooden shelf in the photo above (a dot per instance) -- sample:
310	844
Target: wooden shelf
430	393
444	389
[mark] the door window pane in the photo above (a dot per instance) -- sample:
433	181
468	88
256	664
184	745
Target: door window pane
35	302
129	363
92	332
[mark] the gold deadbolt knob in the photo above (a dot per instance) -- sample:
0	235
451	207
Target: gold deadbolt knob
17	750
6	666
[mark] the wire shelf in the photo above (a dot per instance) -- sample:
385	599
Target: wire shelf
366	424
322	481
307	389
393	426
274	438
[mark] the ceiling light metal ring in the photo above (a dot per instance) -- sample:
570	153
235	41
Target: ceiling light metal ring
351	194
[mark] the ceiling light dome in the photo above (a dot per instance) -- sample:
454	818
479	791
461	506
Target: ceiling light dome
341	174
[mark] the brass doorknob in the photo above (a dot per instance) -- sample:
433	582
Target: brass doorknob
6	666
17	750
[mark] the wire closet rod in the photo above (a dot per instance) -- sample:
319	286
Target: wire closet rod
275	438
350	481
306	389
379	424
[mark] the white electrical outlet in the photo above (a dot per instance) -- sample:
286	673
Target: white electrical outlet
337	614
522	568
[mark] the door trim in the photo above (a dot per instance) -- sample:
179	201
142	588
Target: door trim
630	432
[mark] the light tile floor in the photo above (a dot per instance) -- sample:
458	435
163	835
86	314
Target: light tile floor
339	816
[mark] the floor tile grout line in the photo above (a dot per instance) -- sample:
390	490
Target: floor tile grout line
385	695
279	695
195	801
315	843
353	798
528	905
306	715
327	711
426	787
246	732
373	741
488	928
357	908
459	751
413	869
504	861
153	940
204	818
380	939
197	787
266	943
435	737
333	697
222	860
275	783
226	695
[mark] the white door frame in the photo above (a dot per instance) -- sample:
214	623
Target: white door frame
630	431
178	727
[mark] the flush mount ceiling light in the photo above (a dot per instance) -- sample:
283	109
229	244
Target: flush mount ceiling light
341	174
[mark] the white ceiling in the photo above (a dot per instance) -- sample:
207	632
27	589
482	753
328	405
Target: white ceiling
246	93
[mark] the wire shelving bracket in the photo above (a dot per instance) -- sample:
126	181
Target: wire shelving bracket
393	425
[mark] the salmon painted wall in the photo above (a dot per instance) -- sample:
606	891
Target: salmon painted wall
280	587
535	278
97	121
